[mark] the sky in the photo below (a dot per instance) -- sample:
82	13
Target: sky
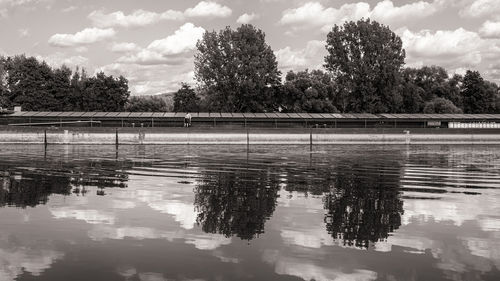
152	42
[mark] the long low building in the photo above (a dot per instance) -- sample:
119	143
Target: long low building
252	120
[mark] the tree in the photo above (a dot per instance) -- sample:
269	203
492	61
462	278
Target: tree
365	58
238	70
306	91
4	100
146	104
441	106
31	84
186	100
477	95
105	93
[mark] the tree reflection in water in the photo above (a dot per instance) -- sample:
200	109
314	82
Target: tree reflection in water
362	201
236	204
31	187
363	205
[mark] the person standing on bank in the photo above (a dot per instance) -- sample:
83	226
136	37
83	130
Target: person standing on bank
187	120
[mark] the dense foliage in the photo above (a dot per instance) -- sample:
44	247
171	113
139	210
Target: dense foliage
34	85
146	104
186	100
365	59
237	69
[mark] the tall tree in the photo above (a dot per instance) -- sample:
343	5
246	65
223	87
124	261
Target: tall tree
477	95
186	100
4	100
366	59
238	69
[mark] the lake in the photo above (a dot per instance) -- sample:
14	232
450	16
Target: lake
185	212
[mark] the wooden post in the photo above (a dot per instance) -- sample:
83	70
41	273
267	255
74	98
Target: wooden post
116	140
248	139
45	138
152	122
311	140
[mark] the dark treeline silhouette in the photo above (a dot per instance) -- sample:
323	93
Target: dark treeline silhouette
32	187
237	71
34	85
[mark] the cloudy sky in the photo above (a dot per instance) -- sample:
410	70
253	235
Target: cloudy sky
152	42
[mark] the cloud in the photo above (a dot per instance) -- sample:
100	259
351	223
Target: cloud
448	48
140	18
479	8
314	14
170	50
310	57
124	47
84	37
89	216
152	79
308	270
386	12
23	32
136	19
58	59
247	18
15	263
208	9
490	29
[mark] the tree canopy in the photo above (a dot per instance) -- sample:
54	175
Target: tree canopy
186	100
365	59
237	69
36	86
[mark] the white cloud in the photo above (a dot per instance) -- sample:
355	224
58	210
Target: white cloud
310	57
479	8
308	270
208	9
386	12
14	263
69	9
490	29
84	37
140	18
152	79
23	32
89	216
448	48
314	14
136	19
247	18
58	59
124	47
170	50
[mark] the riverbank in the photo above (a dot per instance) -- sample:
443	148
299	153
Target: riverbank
126	136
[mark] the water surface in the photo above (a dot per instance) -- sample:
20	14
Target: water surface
260	213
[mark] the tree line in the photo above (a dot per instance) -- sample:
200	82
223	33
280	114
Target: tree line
237	71
363	72
34	85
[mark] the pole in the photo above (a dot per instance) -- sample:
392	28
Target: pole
311	140
116	140
45	138
248	139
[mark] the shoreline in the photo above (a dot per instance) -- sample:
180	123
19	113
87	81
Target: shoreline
253	136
